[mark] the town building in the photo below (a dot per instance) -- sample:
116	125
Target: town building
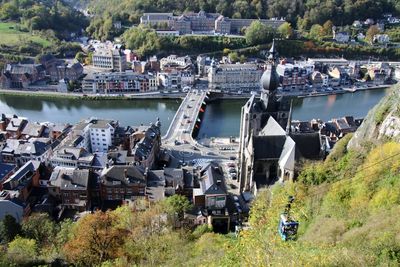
292	76
164	33
317	79
379	73
145	145
20	152
381	39
119	183
23	180
21	75
71	187
234	77
341	37
119	83
109	59
11	206
71	72
71	157
6	170
32	129
201	23
212	193
102	134
15	127
171	80
203	65
175	61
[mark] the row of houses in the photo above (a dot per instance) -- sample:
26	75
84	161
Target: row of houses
50	69
98	163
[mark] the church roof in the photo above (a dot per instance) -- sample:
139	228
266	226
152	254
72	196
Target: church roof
268	147
308	145
272	128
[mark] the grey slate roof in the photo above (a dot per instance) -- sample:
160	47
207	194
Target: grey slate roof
5	169
308	145
19	175
70	179
16	124
33	129
134	175
212	180
268	147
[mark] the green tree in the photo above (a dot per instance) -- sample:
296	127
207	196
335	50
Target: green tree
316	31
258	33
80	57
285	30
9	228
22	250
243	59
39	227
327	28
142	39
177	204
233	57
226	51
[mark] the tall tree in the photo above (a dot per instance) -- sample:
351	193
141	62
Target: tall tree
9	228
327	28
40	227
286	30
316	31
258	33
96	238
372	31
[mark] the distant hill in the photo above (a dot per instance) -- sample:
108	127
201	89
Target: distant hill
340	12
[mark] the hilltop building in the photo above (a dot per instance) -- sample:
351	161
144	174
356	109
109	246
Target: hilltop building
201	23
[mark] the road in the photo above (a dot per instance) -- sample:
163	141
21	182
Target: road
178	140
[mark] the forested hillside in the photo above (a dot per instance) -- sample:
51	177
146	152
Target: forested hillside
43	15
340	12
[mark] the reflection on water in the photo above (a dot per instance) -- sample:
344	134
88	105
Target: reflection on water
327	107
221	118
128	112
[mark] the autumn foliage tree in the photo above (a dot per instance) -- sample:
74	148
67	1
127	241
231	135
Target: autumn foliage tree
96	238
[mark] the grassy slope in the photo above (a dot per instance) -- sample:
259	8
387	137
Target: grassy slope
10	36
353	220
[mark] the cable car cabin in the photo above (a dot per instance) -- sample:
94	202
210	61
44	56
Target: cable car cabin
287	228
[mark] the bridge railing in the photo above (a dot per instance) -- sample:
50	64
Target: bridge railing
175	117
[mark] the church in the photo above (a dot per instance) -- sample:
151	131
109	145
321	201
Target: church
268	148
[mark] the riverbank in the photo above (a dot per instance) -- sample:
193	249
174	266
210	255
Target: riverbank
50	95
181	95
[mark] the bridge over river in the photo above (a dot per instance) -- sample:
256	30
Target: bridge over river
179	141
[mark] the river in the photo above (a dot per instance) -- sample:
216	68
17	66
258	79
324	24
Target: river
221	118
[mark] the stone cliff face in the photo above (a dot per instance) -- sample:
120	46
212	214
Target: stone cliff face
381	123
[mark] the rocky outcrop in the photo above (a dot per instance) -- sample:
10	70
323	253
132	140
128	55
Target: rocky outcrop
381	123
